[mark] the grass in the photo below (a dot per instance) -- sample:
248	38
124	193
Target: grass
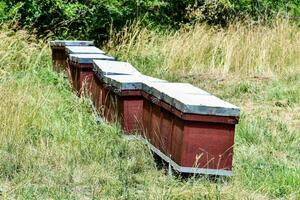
249	50
51	146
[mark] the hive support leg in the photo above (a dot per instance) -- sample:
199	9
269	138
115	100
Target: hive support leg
170	170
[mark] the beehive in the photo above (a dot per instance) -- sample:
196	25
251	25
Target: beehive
99	88
81	67
190	128
59	57
126	100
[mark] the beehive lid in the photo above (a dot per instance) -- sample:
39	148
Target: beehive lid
104	67
88	58
83	50
129	82
204	105
63	43
167	91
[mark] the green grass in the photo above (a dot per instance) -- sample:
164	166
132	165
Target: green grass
51	146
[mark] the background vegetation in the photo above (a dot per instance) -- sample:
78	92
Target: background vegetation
94	19
52	147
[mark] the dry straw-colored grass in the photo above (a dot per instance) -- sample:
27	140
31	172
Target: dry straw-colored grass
246	50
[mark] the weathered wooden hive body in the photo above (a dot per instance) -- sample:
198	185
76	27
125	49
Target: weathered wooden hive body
81	67
59	56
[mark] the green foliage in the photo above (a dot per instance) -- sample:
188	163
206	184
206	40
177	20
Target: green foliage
267	7
93	19
82	19
9	12
224	11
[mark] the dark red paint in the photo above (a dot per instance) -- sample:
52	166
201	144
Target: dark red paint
190	140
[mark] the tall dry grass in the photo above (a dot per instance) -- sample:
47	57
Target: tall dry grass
244	50
21	51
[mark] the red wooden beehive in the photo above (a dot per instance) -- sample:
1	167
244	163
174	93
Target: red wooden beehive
101	97
157	122
82	73
59	57
126	100
79	50
190	129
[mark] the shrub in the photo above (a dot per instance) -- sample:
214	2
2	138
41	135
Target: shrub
94	19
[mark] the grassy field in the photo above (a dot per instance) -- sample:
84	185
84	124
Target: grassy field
51	146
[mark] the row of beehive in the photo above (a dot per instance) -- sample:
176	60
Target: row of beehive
188	127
